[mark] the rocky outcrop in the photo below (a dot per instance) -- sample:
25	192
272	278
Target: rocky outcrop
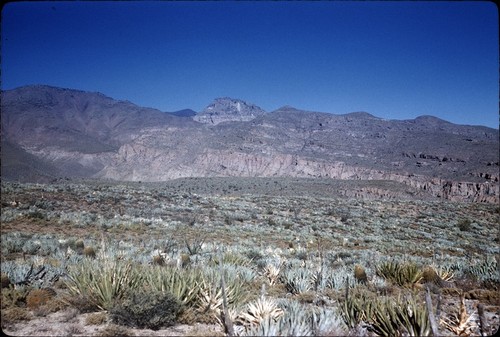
228	110
156	165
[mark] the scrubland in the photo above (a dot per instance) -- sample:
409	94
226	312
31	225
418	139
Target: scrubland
243	257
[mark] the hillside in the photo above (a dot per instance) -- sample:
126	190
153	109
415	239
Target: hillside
90	135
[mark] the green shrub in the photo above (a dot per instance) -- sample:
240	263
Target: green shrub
464	225
150	310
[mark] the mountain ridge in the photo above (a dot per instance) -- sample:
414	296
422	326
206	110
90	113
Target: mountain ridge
95	136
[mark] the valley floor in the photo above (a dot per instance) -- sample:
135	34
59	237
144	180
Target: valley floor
298	242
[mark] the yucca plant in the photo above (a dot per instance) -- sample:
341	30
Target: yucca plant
413	317
102	282
406	274
386	316
181	283
210	293
391	317
355	309
327	323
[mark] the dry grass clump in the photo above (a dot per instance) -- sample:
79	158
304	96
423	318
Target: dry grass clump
14	297
81	302
113	330
15	314
96	318
306	297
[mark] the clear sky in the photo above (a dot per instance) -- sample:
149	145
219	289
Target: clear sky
395	60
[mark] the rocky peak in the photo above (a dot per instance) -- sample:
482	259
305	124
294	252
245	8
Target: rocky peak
226	109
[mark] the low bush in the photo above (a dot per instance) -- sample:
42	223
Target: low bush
39	297
150	310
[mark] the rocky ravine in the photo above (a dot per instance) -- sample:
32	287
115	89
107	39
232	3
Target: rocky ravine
91	135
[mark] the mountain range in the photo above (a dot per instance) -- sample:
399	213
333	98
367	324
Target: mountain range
49	133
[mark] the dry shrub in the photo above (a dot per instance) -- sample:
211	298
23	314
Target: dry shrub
12	297
5	281
430	275
306	297
188	316
158	260
15	314
360	274
55	304
89	252
146	310
39	297
79	244
81	302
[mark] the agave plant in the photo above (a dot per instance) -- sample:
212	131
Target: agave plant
327	323
298	281
261	309
295	321
272	271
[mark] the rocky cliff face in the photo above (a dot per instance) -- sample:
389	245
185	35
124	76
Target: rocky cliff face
217	163
228	110
90	135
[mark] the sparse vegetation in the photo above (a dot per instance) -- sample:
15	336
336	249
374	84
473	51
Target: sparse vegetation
324	266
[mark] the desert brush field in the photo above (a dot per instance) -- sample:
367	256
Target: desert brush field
253	256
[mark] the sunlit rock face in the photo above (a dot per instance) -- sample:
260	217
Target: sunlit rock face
51	132
227	109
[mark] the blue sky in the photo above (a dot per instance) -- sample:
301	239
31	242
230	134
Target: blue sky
396	60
